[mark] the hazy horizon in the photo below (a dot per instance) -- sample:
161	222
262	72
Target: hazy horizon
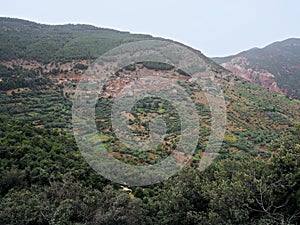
216	28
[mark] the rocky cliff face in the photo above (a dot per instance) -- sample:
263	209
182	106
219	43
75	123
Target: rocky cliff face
276	66
240	67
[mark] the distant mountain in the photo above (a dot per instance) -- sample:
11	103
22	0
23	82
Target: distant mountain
276	66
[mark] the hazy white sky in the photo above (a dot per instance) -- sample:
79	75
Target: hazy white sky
216	27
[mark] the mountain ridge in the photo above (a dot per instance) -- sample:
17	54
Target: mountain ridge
276	66
66	42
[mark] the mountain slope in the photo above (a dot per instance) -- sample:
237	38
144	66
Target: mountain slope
30	41
44	178
45	43
276	66
48	86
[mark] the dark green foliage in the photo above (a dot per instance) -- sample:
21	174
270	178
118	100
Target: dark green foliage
117	208
44	180
157	65
17	77
248	190
80	66
44	43
130	67
182	72
43	108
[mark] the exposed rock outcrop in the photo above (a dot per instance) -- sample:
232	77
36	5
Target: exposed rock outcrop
240	67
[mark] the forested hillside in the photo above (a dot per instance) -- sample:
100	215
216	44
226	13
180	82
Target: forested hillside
45	180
